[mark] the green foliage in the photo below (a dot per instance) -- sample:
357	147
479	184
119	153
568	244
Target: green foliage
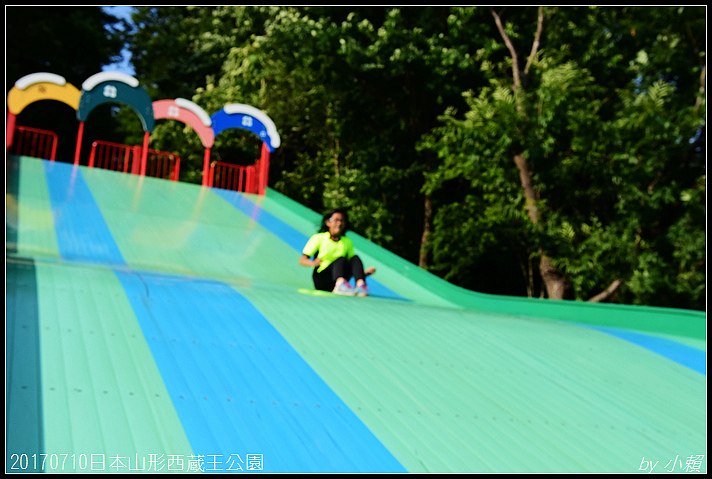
612	155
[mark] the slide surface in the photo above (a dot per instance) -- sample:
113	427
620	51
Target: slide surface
160	326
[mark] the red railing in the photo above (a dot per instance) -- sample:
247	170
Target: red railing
127	159
35	143
161	164
115	157
245	179
233	177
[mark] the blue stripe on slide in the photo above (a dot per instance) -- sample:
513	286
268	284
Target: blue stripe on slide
238	386
687	356
82	233
286	233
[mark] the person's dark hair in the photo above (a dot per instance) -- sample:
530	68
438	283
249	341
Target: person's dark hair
324	227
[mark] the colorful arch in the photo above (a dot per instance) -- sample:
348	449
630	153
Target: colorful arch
189	113
41	86
245	117
114	87
37	87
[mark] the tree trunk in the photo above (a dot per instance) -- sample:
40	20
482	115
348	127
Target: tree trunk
527	273
530	195
553	281
427	224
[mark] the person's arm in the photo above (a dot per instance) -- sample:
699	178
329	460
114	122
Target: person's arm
311	249
305	261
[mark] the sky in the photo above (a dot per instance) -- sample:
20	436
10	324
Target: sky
125	65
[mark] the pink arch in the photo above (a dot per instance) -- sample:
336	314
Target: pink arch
188	113
192	115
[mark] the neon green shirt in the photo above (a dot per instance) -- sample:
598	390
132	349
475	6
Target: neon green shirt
328	250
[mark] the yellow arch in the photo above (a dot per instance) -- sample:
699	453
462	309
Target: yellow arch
47	87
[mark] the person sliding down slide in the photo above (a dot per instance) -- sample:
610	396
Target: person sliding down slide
335	261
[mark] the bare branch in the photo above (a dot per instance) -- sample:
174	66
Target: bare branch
606	293
537	38
512	51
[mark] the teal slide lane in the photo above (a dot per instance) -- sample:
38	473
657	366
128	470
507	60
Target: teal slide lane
234	400
687	356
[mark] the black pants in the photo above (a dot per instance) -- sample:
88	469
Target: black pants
341	268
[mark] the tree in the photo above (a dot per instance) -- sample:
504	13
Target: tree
352	91
600	159
47	39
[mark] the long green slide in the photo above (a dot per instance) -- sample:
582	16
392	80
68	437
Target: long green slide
156	326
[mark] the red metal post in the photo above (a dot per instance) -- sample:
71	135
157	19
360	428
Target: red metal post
250	180
127	159
176	169
92	155
78	149
136	160
209	181
264	170
10	129
144	154
207	169
54	149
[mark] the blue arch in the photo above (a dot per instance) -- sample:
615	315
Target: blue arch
247	118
